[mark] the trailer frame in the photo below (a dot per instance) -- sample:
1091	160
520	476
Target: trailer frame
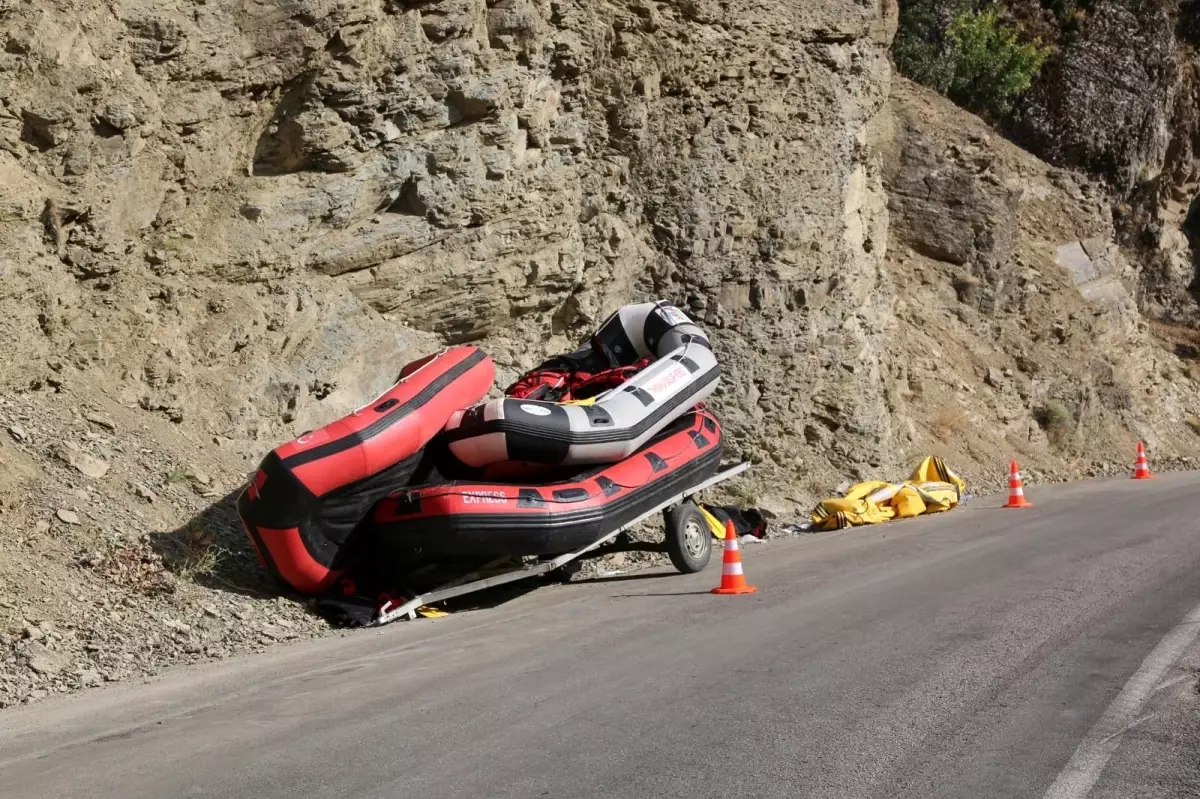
391	611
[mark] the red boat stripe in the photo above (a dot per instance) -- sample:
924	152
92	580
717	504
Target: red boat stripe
394	415
293	562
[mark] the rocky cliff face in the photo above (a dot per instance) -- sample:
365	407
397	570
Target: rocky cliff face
223	222
1119	100
245	215
1017	322
1104	102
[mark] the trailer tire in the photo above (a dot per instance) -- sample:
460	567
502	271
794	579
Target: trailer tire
689	541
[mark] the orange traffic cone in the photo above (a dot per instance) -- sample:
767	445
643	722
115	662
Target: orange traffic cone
733	581
1016	494
1141	470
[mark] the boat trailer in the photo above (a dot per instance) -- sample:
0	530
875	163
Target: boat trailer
688	543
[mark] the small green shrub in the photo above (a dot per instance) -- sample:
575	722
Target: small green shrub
968	53
194	553
1057	420
920	48
993	68
177	476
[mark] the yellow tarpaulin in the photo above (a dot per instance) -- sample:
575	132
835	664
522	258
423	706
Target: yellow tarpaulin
715	526
932	488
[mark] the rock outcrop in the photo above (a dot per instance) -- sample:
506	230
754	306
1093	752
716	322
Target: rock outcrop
1013	295
1119	99
1104	101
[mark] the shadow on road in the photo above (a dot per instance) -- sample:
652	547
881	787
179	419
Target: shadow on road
621	578
663	593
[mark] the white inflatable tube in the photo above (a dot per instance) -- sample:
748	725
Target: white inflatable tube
619	421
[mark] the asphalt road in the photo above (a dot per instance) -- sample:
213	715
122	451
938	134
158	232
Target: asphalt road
964	655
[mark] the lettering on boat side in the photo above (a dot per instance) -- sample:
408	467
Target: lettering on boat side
485	497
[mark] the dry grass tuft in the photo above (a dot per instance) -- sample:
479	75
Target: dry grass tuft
948	422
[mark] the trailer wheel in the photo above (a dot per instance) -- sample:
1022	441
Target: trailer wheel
689	541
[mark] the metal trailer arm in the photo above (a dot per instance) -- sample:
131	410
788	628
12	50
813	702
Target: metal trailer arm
388	614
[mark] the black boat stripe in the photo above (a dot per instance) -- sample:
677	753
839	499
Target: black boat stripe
687	362
588	436
641	395
530	498
657	464
397	413
612	332
655	326
538	449
285	504
607	486
243	504
572	494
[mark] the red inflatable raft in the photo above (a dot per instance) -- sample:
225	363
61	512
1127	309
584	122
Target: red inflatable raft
547	518
310	494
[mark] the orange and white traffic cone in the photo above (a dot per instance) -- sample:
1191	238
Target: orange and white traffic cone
1016	493
1141	470
733	581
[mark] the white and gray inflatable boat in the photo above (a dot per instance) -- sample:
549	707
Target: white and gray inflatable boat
684	372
